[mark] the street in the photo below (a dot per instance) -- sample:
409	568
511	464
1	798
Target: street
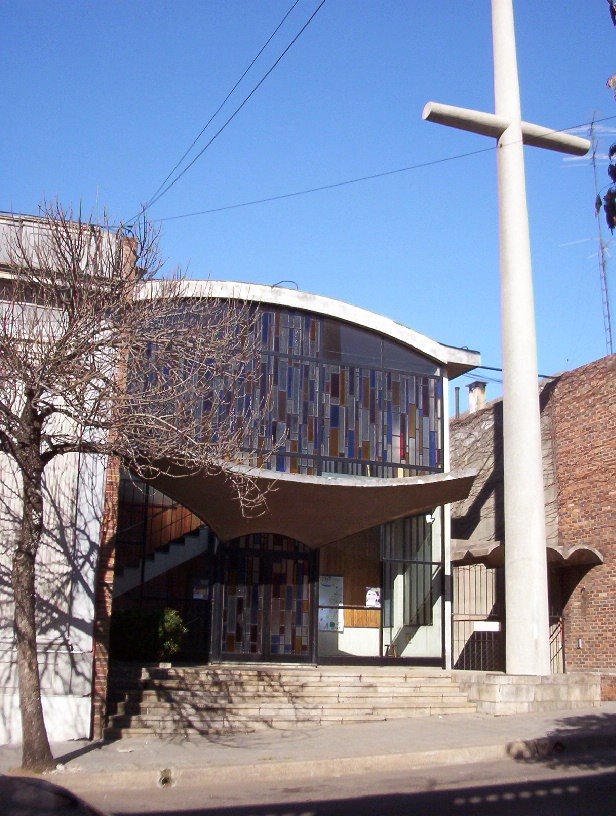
579	785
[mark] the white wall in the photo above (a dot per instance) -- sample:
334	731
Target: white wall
354	640
66	568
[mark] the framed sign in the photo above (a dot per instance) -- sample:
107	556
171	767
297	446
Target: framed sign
201	590
486	626
331	594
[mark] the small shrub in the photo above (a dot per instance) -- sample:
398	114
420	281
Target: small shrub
146	635
171	631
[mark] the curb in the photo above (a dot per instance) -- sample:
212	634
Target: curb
558	744
275	769
519	750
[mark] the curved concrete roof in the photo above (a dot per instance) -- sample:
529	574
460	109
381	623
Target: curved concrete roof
456	360
315	510
492	554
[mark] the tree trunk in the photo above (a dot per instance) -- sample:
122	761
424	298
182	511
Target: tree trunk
36	753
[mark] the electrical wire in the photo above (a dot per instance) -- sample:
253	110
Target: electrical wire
326	186
496	380
488	379
232	117
219	108
347	182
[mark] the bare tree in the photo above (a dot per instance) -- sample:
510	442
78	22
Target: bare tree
99	354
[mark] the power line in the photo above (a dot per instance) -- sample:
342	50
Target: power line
605	297
326	186
219	108
495	368
347	182
487	379
174	181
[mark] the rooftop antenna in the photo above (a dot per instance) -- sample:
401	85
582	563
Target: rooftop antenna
603	255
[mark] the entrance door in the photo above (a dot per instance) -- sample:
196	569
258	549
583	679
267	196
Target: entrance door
267	589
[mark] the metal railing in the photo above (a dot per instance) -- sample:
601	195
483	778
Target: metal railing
475	649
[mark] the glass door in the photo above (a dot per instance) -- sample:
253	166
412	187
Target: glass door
289	607
266	600
242	609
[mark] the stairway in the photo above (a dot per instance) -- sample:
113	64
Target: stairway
170	555
228	698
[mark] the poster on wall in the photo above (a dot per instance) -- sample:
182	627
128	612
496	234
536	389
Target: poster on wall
373	597
201	590
331	593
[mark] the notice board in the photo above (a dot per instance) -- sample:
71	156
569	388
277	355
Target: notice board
331	594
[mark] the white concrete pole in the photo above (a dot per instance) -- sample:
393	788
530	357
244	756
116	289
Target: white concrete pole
526	598
526	594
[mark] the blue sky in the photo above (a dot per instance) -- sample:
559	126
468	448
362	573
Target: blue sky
100	99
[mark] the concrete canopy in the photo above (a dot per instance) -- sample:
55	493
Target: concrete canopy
492	554
315	510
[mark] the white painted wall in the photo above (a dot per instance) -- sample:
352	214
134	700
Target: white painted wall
356	641
66	568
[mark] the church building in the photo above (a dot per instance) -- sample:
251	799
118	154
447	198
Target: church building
350	559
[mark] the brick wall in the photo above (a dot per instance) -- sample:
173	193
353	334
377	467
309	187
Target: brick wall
104	598
578	430
476	442
583	420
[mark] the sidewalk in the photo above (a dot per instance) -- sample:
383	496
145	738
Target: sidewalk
327	750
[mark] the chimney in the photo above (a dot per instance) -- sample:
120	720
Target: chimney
476	396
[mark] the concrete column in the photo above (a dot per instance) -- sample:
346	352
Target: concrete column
444	530
526	597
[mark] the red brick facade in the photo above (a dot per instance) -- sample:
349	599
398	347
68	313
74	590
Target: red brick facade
578	431
104	598
583	422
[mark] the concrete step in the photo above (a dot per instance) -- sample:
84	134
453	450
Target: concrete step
273	718
226	671
134	706
314	697
162	675
278	711
267	709
306	689
212	700
362	673
328	684
310	696
217	725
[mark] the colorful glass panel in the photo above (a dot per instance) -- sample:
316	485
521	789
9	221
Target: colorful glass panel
242	618
377	410
289	618
266	603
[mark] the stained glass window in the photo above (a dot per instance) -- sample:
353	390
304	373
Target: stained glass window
266	576
344	400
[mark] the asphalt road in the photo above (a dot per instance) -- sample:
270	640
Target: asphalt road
584	785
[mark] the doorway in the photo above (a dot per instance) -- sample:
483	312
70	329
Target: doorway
266	592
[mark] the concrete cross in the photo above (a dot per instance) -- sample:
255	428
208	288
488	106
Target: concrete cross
526	592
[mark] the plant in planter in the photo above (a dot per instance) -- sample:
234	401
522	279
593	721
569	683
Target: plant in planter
171	631
146	635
